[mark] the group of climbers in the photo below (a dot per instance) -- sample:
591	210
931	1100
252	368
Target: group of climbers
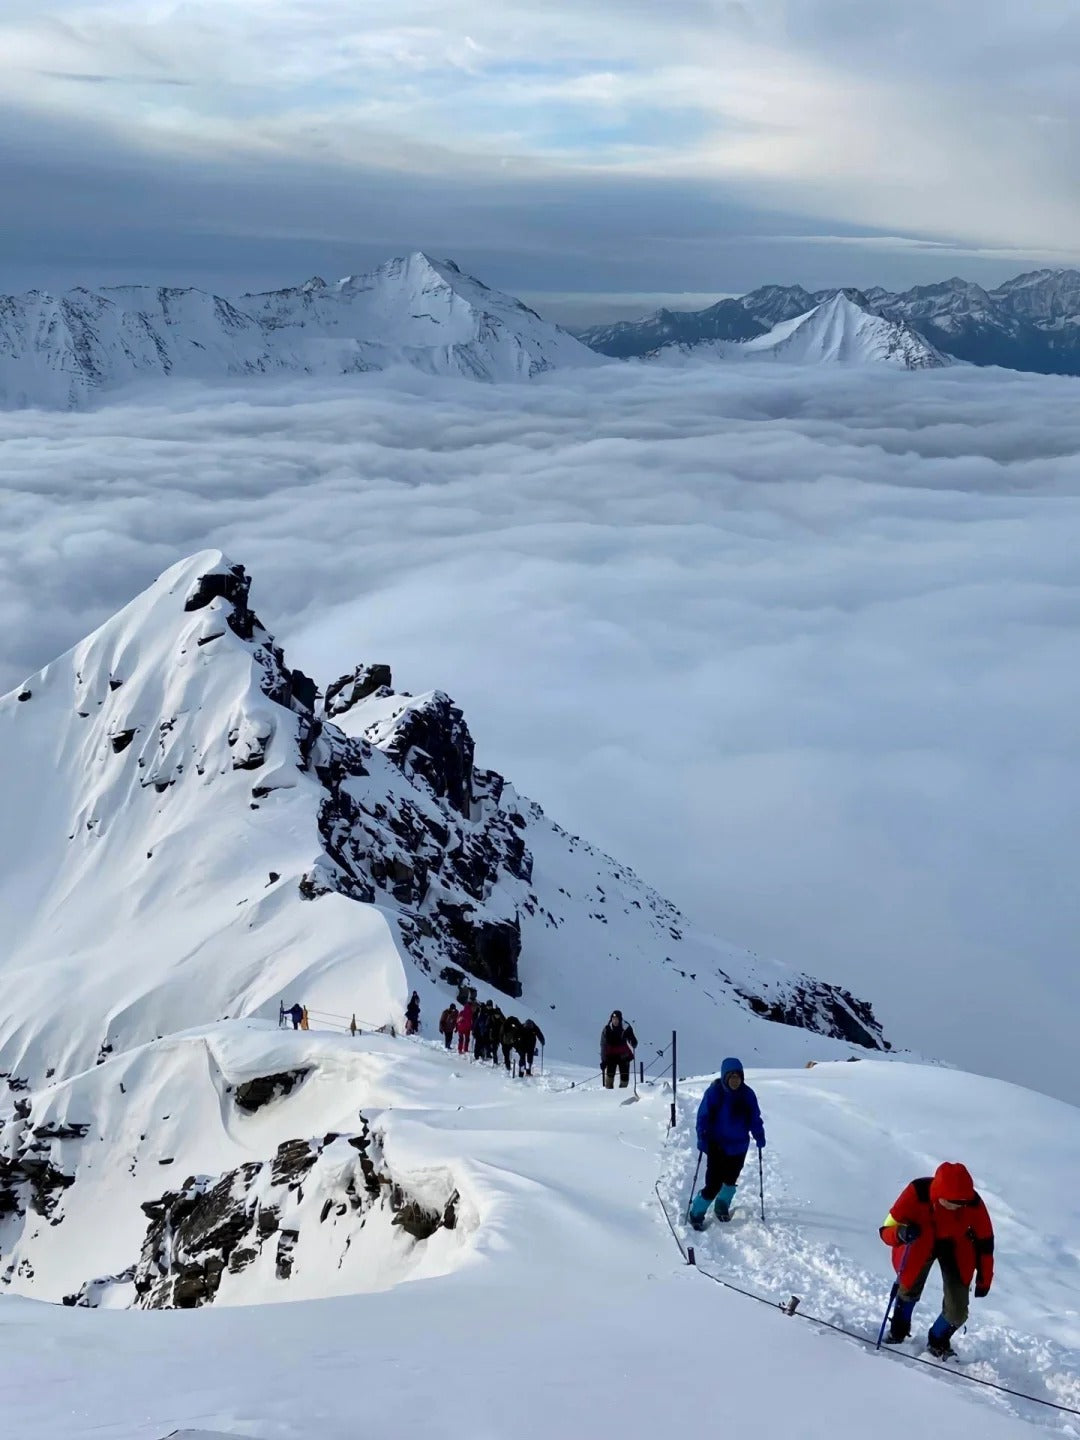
938	1220
492	1035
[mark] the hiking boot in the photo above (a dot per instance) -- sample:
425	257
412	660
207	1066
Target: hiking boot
699	1208
937	1342
897	1334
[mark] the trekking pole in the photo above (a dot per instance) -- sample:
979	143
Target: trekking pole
693	1187
761	1181
892	1296
541	1059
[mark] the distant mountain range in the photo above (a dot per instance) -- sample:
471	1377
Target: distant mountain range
65	351
1030	323
60	351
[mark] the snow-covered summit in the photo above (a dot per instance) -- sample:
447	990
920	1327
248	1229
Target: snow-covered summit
58	351
840	331
836	331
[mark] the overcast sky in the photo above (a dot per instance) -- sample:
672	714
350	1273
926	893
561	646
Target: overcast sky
609	147
802	646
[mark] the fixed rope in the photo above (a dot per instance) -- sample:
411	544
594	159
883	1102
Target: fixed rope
789	1308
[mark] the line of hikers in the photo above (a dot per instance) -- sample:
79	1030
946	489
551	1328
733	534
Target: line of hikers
937	1220
492	1034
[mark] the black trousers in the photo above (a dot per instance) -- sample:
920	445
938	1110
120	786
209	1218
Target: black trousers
623	1067
721	1170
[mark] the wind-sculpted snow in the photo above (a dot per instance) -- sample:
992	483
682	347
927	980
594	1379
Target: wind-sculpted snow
59	351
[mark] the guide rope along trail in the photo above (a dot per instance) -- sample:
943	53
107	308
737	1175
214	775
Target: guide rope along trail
790	1307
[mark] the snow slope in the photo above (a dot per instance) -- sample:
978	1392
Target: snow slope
60	351
560	1293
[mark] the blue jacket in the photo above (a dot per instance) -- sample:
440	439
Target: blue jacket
727	1118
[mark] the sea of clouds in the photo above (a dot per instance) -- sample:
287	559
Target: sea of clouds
802	646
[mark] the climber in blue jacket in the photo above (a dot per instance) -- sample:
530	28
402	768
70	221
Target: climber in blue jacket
727	1117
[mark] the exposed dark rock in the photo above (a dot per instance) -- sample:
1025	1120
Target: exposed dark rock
60	1131
233	585
433	741
304	690
25	694
252	1095
350	689
492	947
122	739
210	1227
825	1009
29	1180
286	1245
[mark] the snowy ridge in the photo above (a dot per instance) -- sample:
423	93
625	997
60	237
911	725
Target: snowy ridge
190	837
415	311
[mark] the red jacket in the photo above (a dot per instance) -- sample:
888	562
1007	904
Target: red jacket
967	1230
464	1020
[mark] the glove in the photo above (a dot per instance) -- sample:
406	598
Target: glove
981	1291
761	1144
905	1234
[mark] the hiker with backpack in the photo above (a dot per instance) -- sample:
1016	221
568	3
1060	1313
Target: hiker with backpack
412	1015
727	1117
464	1027
448	1024
617	1045
528	1037
508	1037
940	1220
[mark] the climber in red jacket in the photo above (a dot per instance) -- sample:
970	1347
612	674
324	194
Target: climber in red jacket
944	1220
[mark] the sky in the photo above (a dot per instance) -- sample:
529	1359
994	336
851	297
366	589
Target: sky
618	148
799	645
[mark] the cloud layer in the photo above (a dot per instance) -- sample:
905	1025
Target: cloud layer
803	647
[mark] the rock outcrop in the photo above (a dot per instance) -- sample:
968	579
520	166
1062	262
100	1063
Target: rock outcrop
265	1212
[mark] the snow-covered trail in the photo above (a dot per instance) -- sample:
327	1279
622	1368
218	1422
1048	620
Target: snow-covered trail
562	1293
843	1140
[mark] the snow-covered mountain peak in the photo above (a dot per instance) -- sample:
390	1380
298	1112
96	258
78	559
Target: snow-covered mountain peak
840	331
411	311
